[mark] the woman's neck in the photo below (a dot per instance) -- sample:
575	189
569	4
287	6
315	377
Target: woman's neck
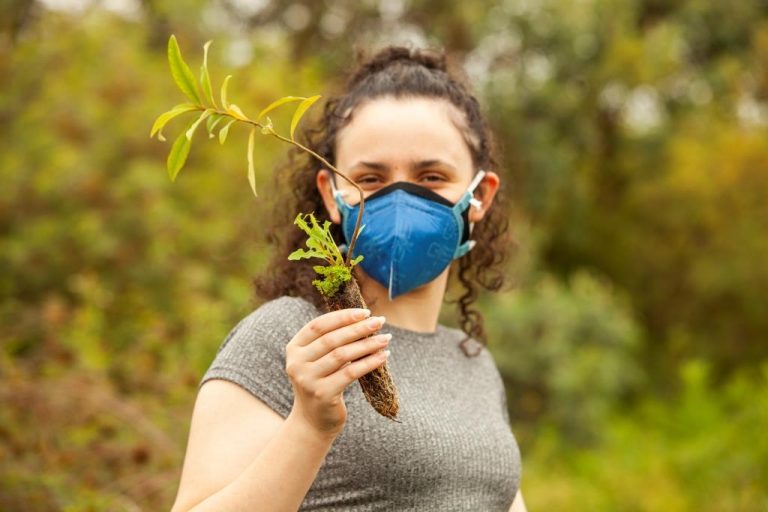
417	310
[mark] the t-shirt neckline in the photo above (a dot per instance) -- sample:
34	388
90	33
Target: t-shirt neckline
409	333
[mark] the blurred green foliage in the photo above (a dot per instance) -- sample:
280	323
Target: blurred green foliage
568	353
633	345
701	451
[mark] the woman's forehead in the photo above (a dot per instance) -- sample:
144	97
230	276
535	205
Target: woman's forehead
401	131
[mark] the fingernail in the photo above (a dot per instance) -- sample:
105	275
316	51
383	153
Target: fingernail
376	322
359	314
386	354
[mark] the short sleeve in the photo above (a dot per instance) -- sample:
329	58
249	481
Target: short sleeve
252	354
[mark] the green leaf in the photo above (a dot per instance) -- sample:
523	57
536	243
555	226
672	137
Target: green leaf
277	103
178	155
251	172
205	78
224	104
236	112
181	72
163	118
224	131
356	260
191	131
320	240
301	253
211	123
299	221
334	277
300	110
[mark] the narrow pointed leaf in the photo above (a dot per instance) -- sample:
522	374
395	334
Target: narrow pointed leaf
300	110
211	122
224	103
205	78
224	131
193	127
235	111
167	116
277	103
178	155
251	171
181	72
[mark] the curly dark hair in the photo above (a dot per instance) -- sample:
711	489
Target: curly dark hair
395	71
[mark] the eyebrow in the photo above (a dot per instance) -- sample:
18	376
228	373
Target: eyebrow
379	166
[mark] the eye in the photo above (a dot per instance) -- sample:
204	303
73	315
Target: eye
433	177
368	179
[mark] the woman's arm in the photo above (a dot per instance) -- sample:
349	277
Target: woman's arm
518	505
242	455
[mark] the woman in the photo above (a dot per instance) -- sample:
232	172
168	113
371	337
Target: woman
279	423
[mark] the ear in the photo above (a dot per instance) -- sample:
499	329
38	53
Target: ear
485	192
323	180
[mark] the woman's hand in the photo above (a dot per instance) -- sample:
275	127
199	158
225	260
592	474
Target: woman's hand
324	357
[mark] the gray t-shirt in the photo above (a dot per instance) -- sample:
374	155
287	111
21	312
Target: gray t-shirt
454	449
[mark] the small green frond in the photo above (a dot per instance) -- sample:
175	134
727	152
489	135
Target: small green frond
334	277
319	238
299	254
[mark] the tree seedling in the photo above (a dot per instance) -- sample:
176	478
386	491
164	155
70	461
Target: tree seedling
336	284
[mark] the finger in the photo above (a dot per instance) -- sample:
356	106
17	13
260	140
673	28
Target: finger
328	322
342	336
348	353
338	381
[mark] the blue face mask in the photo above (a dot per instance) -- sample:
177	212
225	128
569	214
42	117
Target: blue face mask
411	233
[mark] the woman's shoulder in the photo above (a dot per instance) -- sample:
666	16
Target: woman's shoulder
252	354
271	321
285	308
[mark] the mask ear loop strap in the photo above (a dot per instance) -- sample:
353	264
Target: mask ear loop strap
469	200
471	189
336	191
476	180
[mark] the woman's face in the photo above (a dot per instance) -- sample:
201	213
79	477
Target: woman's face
405	139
